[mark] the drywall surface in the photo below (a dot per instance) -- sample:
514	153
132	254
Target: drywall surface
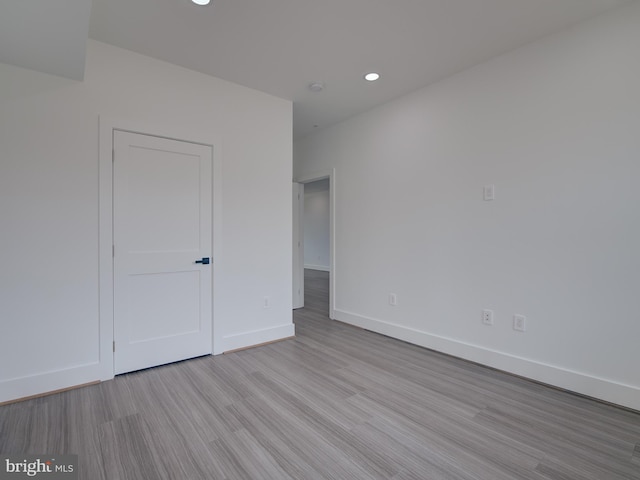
554	127
316	225
49	209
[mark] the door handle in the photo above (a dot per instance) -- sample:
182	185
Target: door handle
204	261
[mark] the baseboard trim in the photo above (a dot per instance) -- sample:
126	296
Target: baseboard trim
242	349
320	268
627	396
52	392
49	382
244	340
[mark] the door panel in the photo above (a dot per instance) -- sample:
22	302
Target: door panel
163	200
155	315
162	225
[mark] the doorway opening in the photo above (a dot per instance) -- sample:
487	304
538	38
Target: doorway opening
314	242
316	245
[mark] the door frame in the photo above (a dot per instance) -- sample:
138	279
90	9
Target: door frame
312	177
107	125
298	246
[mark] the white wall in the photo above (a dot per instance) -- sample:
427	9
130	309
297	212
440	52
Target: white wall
316	225
49	276
555	126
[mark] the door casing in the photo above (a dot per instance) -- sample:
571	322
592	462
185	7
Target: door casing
172	131
331	175
298	246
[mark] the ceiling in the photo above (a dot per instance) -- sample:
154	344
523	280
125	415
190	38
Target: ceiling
49	36
281	46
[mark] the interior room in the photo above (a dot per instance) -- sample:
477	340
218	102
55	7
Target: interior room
342	240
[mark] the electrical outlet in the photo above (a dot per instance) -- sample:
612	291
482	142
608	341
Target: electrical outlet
267	300
393	299
487	317
519	323
489	192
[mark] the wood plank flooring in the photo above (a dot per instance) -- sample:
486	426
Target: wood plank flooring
336	402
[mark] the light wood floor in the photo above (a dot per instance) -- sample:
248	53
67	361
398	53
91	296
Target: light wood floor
336	402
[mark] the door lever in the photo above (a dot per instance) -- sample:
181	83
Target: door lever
204	261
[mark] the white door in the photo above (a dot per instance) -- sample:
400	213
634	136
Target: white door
162	228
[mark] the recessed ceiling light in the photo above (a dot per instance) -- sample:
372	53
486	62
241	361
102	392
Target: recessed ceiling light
201	2
372	77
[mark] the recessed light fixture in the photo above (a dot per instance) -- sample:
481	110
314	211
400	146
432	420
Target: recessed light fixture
201	2
316	86
372	77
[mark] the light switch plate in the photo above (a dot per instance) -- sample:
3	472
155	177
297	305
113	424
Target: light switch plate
489	192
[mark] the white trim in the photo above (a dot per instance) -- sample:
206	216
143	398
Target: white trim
40	383
105	245
320	268
105	146
331	175
257	337
579	382
298	246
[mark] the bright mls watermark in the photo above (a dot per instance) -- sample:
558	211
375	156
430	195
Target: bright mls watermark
51	467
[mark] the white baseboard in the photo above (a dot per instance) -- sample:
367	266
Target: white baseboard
321	268
600	388
42	383
257	337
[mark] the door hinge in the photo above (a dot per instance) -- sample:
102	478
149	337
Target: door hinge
113	250
114	346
